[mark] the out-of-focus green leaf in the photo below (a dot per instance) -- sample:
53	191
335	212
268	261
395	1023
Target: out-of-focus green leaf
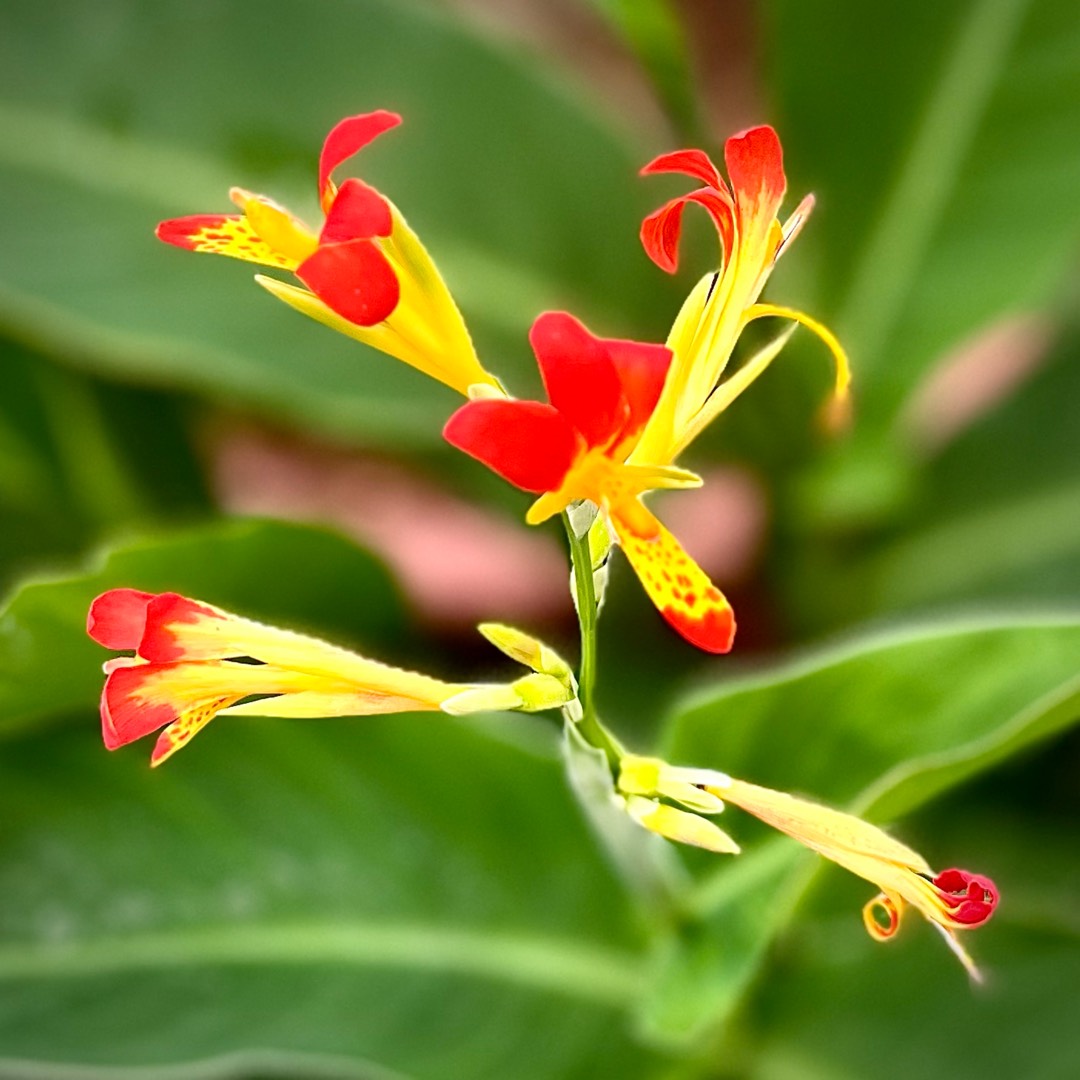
341	888
881	726
999	514
995	518
408	893
267	570
945	162
653	30
116	116
81	458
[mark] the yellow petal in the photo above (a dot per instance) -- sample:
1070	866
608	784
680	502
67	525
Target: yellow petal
289	237
834	834
527	650
680	589
426	316
678	825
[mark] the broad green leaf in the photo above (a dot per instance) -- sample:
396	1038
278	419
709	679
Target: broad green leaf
1000	509
995	518
115	116
945	163
405	895
407	891
317	581
882	726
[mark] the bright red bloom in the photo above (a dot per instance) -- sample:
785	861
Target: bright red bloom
344	266
601	393
367	274
744	213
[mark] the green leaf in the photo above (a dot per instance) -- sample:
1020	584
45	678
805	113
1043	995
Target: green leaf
268	570
342	888
881	726
526	198
80	458
999	512
404	894
652	29
994	519
944	163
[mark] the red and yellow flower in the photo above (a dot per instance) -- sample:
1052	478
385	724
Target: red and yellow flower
193	661
365	271
724	302
601	395
952	900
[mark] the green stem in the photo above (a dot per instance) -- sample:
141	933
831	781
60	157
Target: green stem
585	595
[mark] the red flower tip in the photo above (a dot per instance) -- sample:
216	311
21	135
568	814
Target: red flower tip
164	611
117	618
971	898
755	164
184	232
350	135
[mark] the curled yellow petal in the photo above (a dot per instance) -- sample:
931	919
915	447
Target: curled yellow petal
840	357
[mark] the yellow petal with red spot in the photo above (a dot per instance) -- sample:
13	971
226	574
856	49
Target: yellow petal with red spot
223	234
285	234
680	589
182	730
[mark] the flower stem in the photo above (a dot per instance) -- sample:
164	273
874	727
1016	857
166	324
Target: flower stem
585	596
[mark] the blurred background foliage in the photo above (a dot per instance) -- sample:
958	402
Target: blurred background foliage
416	897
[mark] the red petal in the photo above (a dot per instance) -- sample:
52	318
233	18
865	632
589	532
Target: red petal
117	618
660	234
125	717
350	135
975	896
526	442
165	611
695	163
579	376
660	231
642	369
358	212
353	279
755	163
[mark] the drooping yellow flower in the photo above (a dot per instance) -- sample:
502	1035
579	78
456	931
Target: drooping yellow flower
952	900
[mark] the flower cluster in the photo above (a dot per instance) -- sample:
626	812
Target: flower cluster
619	414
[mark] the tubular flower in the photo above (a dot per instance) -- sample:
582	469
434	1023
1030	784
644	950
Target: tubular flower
724	302
952	900
601	393
193	661
366	272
